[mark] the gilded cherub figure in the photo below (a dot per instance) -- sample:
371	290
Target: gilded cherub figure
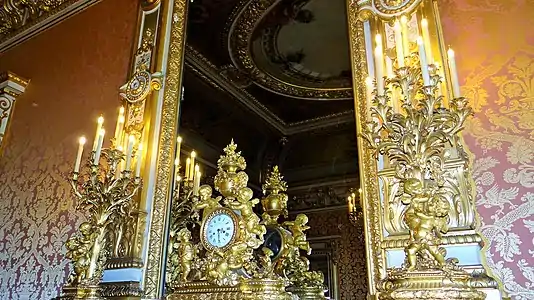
187	253
297	228
207	203
426	218
79	250
245	205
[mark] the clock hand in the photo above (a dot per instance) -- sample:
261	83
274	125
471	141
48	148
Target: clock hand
219	235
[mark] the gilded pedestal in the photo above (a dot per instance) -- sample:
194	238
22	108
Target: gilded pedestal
430	285
252	289
89	292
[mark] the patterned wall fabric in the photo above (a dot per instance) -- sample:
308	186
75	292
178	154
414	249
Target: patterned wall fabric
75	69
494	45
351	262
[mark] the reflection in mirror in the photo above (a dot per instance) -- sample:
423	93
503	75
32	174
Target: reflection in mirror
276	79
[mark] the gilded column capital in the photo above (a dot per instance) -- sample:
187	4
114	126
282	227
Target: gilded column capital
11	86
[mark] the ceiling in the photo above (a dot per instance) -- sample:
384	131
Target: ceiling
280	52
274	76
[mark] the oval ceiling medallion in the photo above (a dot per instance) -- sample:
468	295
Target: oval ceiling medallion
296	48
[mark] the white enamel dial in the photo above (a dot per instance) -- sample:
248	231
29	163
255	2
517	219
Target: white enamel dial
220	230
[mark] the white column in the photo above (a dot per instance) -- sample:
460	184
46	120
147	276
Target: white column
11	86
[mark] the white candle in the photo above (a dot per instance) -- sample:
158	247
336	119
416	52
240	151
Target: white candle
405	37
178	149
349	201
187	167
369	94
398	44
196	181
131	141
422	59
379	65
120	164
98	149
378	39
138	160
192	170
81	142
176	167
99	123
426	40
176	185
118	127
454	74
195	173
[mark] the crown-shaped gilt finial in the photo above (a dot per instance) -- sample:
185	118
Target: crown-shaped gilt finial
275	182
231	160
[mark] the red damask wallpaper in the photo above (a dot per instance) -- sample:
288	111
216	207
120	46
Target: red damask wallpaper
75	70
351	262
494	45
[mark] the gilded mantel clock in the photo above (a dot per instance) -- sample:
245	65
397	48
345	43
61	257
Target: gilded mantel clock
220	229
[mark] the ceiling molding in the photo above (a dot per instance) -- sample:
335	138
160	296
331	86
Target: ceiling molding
212	75
209	72
18	23
244	21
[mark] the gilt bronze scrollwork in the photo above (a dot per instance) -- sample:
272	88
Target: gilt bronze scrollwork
416	141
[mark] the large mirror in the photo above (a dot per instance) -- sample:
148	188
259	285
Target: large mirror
275	76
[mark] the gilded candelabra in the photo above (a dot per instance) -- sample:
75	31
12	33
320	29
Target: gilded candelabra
416	141
355	208
105	192
183	215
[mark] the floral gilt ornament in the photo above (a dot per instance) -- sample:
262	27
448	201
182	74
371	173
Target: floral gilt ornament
416	143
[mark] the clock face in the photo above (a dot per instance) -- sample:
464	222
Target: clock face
220	230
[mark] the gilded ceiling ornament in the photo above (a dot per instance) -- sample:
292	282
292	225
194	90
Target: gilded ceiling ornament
15	14
244	22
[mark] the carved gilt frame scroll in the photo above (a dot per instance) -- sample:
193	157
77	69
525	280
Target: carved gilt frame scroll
165	20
